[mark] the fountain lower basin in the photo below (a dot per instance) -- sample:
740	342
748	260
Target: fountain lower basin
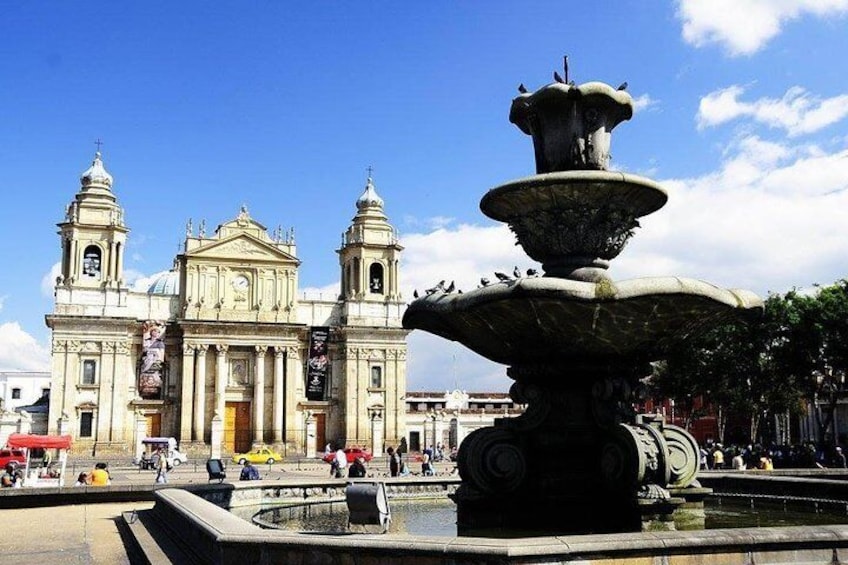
214	535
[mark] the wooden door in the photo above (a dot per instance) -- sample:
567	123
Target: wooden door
154	424
320	431
237	432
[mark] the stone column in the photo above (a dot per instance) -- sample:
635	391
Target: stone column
294	390
119	264
140	433
279	394
311	435
217	436
186	389
221	379
126	387
377	433
106	392
200	393
64	424
259	396
72	378
60	385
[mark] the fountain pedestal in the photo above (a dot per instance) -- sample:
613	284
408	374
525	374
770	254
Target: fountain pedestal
572	456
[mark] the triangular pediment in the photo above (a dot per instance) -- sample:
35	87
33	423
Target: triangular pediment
241	247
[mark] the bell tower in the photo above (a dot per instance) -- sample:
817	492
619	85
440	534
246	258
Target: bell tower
370	253
93	233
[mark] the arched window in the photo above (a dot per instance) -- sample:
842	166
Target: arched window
91	261
375	278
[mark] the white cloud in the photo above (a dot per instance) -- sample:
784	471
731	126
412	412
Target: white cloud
743	27
644	102
19	351
463	254
48	281
139	282
798	112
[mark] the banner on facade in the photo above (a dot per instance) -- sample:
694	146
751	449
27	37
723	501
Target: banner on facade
318	364
151	365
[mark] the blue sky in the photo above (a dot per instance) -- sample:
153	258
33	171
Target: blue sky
281	106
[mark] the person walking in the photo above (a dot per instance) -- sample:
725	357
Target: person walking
341	462
394	462
161	468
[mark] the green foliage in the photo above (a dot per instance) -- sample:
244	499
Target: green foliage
798	350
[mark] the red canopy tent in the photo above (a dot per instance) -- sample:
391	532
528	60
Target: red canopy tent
31	441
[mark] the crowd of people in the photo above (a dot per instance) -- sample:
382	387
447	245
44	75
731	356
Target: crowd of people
800	456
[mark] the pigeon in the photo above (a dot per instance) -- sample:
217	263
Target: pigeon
516	272
622	86
532	272
415	293
451	287
522	89
502	276
484	282
558	78
439	286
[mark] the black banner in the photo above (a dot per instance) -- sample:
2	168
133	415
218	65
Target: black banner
318	364
151	365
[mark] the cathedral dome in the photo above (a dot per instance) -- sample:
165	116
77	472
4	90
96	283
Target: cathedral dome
166	283
96	174
369	198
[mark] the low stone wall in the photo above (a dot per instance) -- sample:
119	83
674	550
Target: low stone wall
202	526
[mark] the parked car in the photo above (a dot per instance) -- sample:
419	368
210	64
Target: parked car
260	455
15	457
351	453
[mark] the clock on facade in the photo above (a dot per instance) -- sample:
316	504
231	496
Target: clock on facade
240	282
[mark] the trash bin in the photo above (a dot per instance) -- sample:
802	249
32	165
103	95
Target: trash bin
368	504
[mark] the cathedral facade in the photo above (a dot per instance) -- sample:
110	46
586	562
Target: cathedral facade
220	352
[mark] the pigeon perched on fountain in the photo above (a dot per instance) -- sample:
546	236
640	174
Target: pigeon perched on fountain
485	282
532	272
440	286
503	277
451	287
516	272
415	293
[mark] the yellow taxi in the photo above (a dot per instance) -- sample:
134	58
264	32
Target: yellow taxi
259	455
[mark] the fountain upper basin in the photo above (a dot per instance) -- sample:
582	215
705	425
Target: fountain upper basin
526	320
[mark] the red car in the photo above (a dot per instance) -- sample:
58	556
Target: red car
16	457
351	453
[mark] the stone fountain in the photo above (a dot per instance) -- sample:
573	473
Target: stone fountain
576	343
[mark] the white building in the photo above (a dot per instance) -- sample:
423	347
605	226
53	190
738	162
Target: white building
446	418
20	388
223	351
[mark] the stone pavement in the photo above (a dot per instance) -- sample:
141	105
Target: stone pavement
94	533
60	535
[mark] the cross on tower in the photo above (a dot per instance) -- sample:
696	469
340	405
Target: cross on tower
370	170
98	143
